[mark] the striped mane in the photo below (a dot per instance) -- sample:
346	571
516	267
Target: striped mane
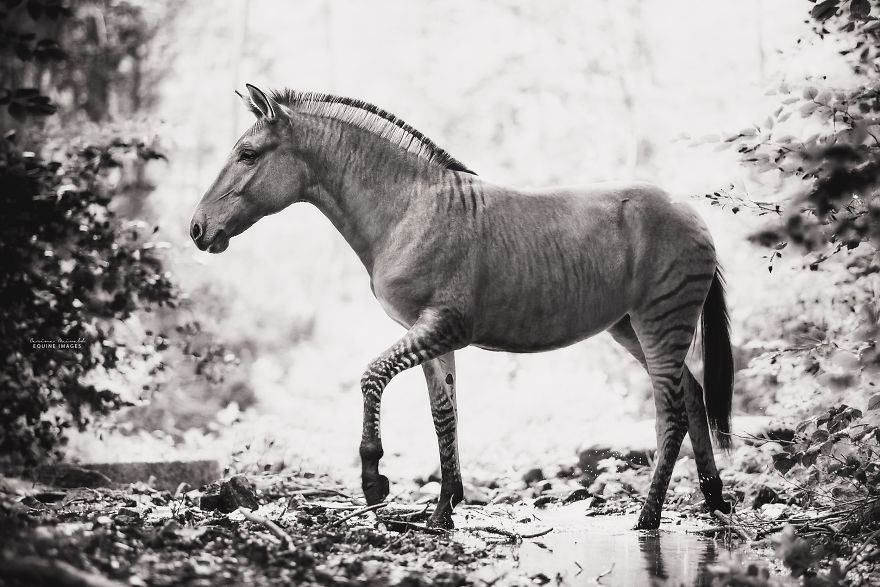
370	118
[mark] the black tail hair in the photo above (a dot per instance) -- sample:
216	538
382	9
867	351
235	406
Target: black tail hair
717	361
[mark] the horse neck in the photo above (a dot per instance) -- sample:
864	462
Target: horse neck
361	183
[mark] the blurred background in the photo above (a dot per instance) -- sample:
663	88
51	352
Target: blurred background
526	94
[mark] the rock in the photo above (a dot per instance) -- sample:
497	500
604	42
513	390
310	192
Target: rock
577	495
127	516
596	501
532	476
588	459
773	511
70	476
765	495
33	503
544	500
229	495
50	496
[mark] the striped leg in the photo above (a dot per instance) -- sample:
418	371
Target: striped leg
440	375
665	328
437	332
698	427
671	427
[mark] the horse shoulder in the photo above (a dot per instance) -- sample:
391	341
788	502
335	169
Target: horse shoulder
421	265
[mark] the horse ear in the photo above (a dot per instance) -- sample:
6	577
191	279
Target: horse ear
265	105
246	101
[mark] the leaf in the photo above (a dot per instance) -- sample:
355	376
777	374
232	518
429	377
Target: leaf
825	10
783	463
808	109
874	402
859	9
810	92
809	458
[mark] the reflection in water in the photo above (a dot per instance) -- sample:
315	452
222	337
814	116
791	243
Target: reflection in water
683	555
581	548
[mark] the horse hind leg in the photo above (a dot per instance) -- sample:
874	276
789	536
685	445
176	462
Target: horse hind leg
663	356
698	428
665	327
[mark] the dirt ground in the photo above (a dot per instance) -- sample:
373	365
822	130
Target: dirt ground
570	526
303	530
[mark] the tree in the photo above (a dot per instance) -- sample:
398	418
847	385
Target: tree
74	269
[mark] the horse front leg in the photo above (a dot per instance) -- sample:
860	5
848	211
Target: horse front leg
440	376
437	331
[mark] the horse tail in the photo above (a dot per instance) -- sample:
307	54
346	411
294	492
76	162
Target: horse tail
717	361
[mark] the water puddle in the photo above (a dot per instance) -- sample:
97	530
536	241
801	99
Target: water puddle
581	548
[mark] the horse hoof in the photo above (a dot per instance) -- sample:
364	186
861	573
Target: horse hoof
376	489
719	505
648	521
441	520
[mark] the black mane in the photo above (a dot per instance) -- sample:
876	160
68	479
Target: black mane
370	118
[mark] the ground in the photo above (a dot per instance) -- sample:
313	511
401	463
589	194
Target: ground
568	527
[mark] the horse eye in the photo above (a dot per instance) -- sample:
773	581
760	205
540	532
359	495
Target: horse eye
247	155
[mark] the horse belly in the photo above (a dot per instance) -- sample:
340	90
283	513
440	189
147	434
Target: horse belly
530	321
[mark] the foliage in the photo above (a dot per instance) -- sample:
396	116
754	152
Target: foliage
824	138
106	74
26	46
839	453
821	148
72	270
79	274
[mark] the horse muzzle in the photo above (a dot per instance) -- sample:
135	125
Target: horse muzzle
204	240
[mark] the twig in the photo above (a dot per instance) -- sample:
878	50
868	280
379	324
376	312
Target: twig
313	492
605	574
536	534
495	530
728	520
331	505
508	533
414	515
355	513
854	559
269	524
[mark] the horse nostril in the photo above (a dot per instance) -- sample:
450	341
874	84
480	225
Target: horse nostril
196	231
